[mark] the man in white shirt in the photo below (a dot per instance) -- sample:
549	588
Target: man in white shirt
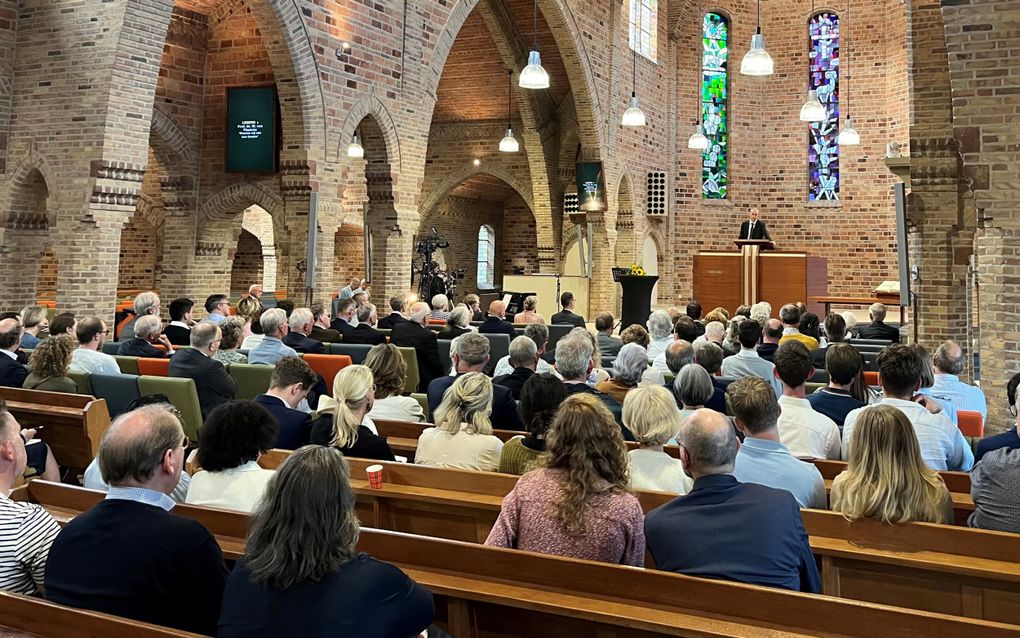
950	362
537	332
806	433
348	291
89	356
762	458
747	363
942	444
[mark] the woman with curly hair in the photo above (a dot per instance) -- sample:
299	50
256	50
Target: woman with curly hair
49	363
541	396
577	505
389	369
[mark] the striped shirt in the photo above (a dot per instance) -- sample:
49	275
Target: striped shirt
26	533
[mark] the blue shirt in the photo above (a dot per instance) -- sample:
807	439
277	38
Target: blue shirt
215	317
29	341
270	351
1008	439
771	464
141	495
963	395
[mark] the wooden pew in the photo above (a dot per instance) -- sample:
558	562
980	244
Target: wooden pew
74	423
403	435
23	616
487	591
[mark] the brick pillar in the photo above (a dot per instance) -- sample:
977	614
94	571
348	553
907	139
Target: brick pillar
600	289
89	261
20	254
998	265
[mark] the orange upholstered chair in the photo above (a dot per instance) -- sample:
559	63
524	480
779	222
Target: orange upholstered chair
154	367
970	423
871	377
328	365
436	322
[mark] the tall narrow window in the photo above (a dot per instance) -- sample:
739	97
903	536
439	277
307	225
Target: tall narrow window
823	150
486	257
715	36
644	27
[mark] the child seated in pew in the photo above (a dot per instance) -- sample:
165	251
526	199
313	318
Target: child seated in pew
650	412
350	429
541	396
577	504
463	436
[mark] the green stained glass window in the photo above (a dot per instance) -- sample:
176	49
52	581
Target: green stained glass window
714	94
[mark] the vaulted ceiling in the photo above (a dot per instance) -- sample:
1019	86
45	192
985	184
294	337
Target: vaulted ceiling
484	187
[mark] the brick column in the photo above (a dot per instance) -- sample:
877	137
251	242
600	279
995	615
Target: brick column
89	261
20	254
998	264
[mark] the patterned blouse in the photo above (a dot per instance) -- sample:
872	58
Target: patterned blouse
230	356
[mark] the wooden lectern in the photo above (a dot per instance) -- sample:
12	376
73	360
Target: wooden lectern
729	278
749	251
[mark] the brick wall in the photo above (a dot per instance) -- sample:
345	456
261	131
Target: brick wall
139	252
247	265
349	246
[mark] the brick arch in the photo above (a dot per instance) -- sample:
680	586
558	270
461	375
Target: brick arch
151	211
168	141
25	177
459	177
370	106
234	199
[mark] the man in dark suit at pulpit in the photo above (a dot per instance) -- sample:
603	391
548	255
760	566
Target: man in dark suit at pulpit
754	228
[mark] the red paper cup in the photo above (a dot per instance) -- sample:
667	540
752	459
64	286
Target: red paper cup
374	476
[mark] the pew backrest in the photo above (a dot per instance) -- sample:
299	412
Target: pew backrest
71	424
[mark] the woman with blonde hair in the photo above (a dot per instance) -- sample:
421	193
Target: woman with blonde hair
49	363
529	315
463	436
349	427
650	412
886	478
390	373
577	505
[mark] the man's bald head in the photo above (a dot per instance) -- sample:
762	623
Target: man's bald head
678	354
709	444
418	312
773	331
134	449
949	359
497	308
10	334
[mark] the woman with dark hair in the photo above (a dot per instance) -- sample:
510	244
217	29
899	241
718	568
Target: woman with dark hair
302	575
577	505
230	443
541	396
810	326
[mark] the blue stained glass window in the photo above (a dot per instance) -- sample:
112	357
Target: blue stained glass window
715	124
823	151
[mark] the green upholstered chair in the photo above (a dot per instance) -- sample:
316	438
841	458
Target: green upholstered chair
182	395
423	399
411	358
128	365
83	382
252	380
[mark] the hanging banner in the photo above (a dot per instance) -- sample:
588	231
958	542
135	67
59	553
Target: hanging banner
591	187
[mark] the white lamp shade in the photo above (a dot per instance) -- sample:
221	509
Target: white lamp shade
813	110
697	141
356	150
509	143
757	60
534	76
848	135
633	116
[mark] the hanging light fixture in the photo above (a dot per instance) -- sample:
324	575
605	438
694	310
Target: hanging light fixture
633	116
534	76
509	143
813	110
848	135
757	60
697	140
355	150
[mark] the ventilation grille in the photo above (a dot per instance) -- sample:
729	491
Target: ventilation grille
570	203
657	206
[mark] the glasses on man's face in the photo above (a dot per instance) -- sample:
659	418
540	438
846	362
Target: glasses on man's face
186	443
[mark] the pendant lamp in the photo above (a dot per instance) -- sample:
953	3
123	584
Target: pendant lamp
848	135
534	76
355	150
509	143
757	60
697	140
633	116
813	110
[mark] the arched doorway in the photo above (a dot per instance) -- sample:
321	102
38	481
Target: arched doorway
254	259
650	262
25	239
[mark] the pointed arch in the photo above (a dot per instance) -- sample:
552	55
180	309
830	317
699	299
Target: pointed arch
455	179
168	141
371	106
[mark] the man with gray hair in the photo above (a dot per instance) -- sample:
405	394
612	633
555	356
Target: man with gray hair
212	383
574	363
725	529
537	332
129	556
524	359
878	329
470	355
148	331
146	303
272	348
398	305
365	331
300	325
414	334
950	362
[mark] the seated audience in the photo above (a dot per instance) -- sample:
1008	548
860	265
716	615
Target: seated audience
347	292
950	363
743	310
63	323
717	314
302	574
230	443
148	330
248	306
212	383
320	326
574	363
678	354
350	430
414	334
528	315
290	383
747	362
272	348
1009	438
835	332
541	396
459	323
129	556
886	478
300	323
807	434
389	369
659	333
993	486
650	412
692	388
877	329
851	324
539	334
398	306
146	303
253	328
694	313
229	351
470	355
345	319
790	315
942	444
762	458
567	314
810	327
218	307
715	332
474	304
496	323
35	325
609	345
731	343
725	529
709	355
577	505
761	312
770	336
440	308
686	329
634	333
365	332
463	436
935	403
523	359
26	529
50	362
843	363
12	372
88	356
630	365
178	332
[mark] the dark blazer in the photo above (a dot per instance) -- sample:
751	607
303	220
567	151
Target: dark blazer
767	351
452	332
495	326
390	321
341	326
368	445
179	336
12	373
735	531
295	425
504	409
761	230
365	334
878	330
515	380
301	343
215	387
478	316
566	316
612	404
139	347
425	343
327	335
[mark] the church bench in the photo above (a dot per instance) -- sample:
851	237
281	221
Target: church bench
488	591
71	424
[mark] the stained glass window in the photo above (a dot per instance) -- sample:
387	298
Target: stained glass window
823	151
715	55
644	27
486	257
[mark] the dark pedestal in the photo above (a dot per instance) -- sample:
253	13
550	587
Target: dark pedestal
637	299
